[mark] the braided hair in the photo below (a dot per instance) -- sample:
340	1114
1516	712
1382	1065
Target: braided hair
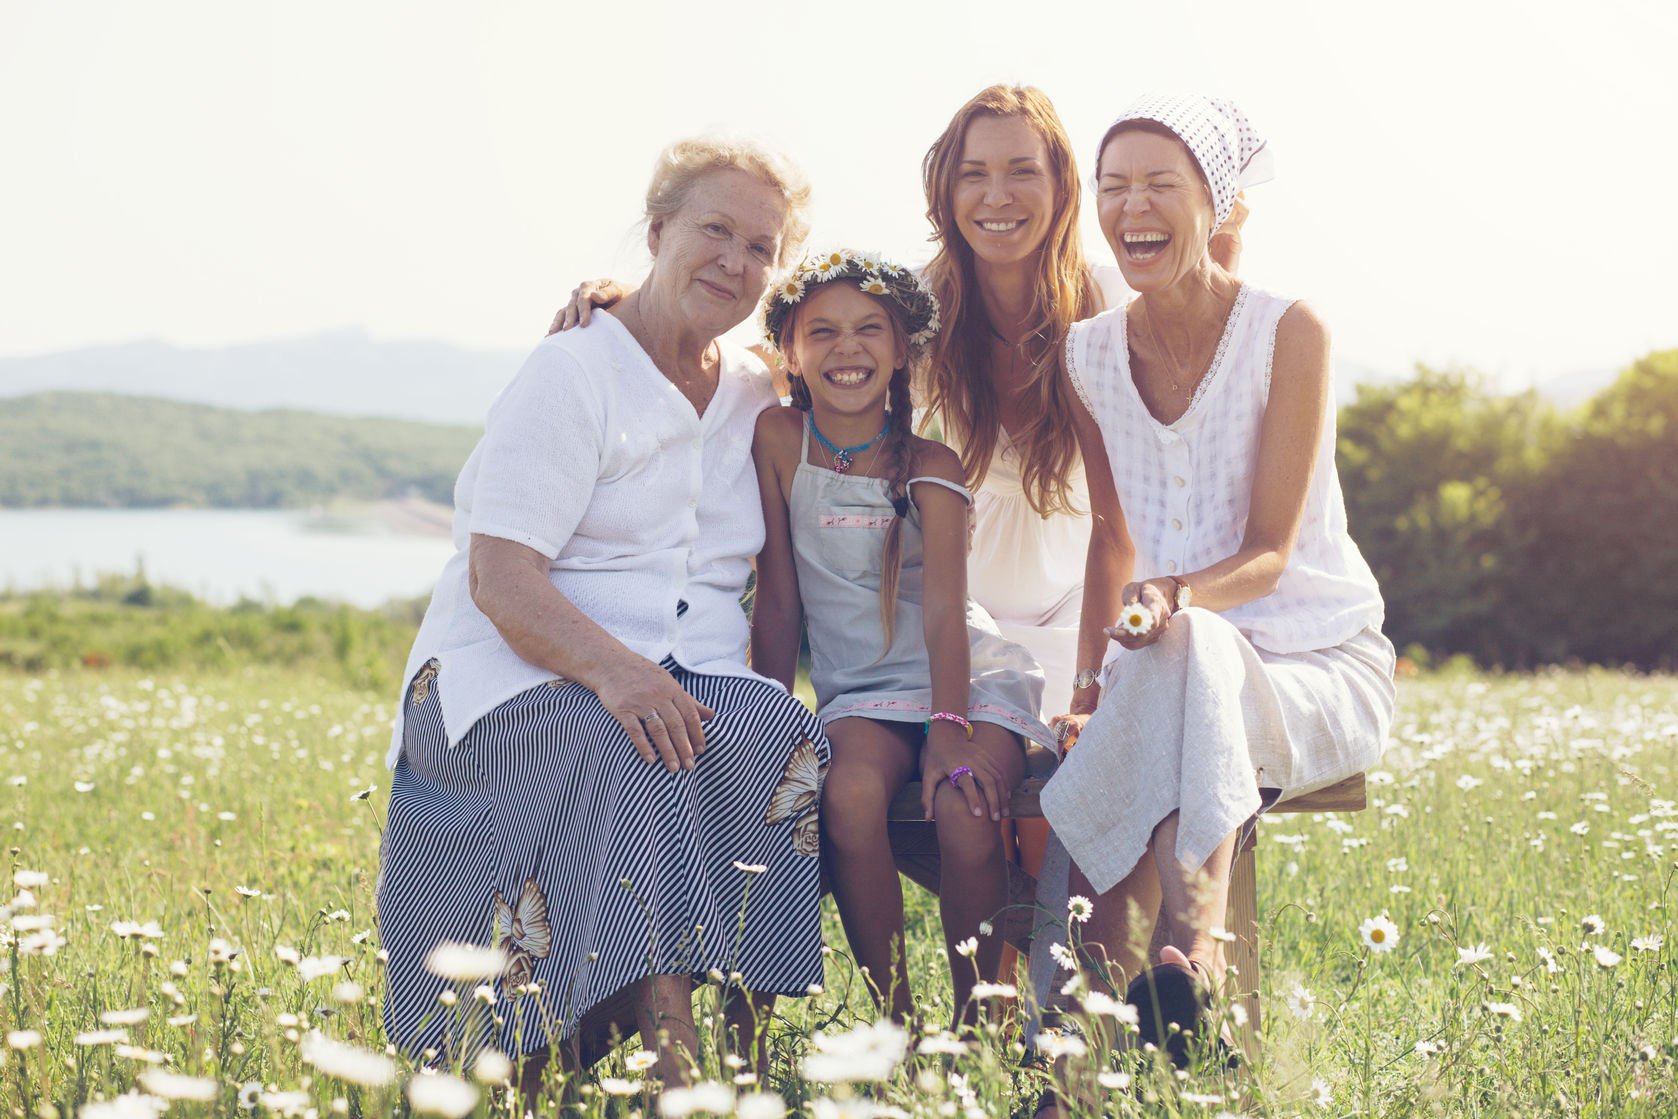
900	443
898	446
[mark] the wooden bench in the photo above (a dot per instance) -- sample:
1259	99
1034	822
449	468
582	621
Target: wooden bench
914	843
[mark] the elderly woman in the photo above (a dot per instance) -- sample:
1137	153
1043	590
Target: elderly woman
1250	652
588	777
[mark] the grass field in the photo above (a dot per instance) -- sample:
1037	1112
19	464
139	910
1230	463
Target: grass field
192	860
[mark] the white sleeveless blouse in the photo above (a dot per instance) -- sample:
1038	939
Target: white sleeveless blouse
1186	487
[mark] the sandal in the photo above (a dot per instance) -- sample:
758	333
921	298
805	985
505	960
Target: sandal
1169	995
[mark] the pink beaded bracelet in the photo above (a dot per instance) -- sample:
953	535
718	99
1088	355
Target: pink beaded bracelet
950	717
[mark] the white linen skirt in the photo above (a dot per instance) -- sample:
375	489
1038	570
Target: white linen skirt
1197	724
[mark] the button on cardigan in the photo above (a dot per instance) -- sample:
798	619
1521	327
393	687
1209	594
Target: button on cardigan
593	458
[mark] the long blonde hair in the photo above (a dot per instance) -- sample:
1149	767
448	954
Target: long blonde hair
959	391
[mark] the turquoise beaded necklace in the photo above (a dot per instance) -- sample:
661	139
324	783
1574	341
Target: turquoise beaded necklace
843	456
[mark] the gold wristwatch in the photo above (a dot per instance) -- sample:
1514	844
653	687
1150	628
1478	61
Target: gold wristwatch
1183	597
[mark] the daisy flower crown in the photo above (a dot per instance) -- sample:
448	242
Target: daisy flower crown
871	273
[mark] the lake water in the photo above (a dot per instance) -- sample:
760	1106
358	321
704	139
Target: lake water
222	555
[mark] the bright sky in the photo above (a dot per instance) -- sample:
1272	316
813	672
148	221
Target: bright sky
1459	181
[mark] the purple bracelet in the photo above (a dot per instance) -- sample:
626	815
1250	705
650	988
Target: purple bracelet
949	717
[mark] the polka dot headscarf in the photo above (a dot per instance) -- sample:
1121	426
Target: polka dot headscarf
1231	154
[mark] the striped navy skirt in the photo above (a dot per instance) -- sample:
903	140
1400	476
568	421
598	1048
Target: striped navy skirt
545	834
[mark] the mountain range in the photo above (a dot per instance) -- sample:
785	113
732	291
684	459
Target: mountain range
344	372
349	373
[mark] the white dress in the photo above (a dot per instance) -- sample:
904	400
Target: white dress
1291	691
1027	570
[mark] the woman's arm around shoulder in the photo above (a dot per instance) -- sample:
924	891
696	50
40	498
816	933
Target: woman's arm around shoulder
777	612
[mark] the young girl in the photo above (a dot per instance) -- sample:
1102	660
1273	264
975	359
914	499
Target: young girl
867	544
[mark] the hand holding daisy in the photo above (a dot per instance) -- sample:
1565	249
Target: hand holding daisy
1143	619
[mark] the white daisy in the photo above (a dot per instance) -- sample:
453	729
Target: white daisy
349	1063
1648	943
130	1105
1079	908
91	1038
1605	956
873	285
708	1097
760	1105
174	1086
983	991
316	967
791	290
1477	954
492	1067
1054	1046
866	1052
1379	934
942	1044
1136	619
443	1095
465	962
1099	1002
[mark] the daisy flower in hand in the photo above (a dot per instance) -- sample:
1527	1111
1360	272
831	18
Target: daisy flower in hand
1136	619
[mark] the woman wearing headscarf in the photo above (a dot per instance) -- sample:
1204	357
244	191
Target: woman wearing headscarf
588	777
1248	655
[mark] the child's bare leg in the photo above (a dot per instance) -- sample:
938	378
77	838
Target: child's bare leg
973	881
746	1018
664	1017
871	761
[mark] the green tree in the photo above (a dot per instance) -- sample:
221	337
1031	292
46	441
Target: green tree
1600	524
103	450
1427	466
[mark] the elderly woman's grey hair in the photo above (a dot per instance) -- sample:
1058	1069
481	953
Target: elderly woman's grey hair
685	162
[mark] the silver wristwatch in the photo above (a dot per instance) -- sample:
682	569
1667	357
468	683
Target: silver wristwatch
1086	678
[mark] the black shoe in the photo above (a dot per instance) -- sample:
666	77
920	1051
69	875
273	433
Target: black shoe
1167	995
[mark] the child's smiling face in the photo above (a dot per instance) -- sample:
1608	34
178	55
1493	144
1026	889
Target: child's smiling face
846	345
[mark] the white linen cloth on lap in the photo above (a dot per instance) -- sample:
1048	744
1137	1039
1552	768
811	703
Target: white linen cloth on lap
1238	713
